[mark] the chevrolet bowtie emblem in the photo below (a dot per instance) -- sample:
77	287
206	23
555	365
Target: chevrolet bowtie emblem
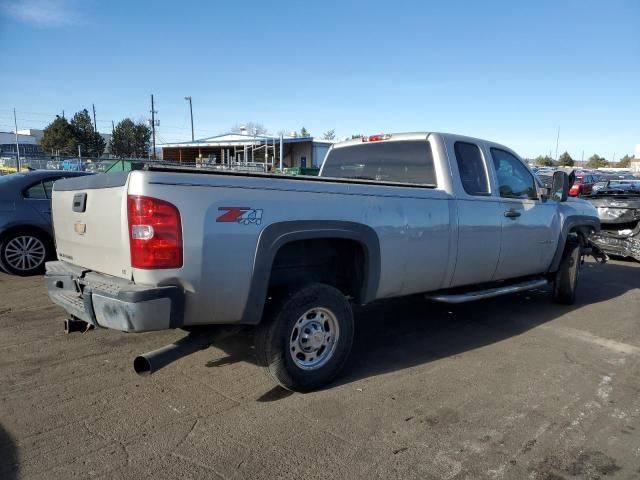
80	228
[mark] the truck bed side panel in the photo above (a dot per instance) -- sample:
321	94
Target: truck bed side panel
220	254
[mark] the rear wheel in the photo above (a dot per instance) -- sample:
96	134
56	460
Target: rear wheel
305	337
566	280
24	252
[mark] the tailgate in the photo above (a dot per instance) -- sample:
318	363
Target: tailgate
90	223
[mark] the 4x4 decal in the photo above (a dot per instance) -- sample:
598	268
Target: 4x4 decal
242	215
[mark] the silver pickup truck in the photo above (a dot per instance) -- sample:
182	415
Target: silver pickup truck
451	217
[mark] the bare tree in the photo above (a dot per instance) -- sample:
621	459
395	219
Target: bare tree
253	128
329	135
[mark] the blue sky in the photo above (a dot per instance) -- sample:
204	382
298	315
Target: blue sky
508	71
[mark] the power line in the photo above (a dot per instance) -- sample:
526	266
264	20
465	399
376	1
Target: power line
15	122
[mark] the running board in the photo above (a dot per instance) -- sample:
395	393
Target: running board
492	292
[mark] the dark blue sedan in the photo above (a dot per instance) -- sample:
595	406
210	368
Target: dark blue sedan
26	231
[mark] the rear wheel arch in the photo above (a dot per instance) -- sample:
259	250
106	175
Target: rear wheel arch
26	228
301	235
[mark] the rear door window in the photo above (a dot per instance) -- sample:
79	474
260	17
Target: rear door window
473	172
35	191
400	161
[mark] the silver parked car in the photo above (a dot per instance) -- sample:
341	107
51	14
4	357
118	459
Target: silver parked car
26	232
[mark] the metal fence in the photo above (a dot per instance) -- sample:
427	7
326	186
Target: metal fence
99	165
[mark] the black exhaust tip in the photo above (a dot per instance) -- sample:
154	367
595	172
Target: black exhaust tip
142	366
150	362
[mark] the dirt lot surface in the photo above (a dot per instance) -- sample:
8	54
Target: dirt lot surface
513	387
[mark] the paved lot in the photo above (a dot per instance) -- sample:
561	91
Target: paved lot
515	387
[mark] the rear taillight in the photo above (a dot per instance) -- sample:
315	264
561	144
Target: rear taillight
155	233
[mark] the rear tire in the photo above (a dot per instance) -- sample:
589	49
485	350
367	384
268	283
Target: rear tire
24	252
305	338
566	280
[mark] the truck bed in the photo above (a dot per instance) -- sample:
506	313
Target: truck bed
208	171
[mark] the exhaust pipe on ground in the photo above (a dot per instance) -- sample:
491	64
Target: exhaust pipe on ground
150	362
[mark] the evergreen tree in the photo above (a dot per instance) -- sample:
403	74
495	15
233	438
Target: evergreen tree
123	139
545	161
565	160
596	161
130	140
91	142
625	162
59	138
142	139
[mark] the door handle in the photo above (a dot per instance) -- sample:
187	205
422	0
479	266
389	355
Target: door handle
512	214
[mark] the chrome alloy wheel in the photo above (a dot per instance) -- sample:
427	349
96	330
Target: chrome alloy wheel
314	338
24	253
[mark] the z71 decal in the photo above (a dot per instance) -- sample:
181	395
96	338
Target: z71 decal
242	215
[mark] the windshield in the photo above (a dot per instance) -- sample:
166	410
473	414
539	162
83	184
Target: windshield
401	161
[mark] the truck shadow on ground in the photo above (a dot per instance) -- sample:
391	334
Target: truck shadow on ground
401	333
8	456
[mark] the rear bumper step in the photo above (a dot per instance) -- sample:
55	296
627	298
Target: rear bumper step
109	302
489	293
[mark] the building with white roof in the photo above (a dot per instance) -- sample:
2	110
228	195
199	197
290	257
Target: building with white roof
242	148
29	145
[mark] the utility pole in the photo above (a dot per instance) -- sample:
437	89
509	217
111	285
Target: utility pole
15	123
113	127
281	152
557	141
582	161
191	112
153	128
95	125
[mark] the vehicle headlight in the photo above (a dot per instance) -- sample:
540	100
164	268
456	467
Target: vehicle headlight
611	213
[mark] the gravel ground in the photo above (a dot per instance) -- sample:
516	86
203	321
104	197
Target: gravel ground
513	387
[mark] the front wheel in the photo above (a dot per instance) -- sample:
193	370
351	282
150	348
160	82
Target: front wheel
566	281
305	338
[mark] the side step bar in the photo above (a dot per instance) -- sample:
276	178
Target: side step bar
492	292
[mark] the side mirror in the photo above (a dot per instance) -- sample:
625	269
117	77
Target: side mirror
560	186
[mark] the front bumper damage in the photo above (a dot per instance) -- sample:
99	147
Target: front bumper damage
622	242
104	301
619	211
